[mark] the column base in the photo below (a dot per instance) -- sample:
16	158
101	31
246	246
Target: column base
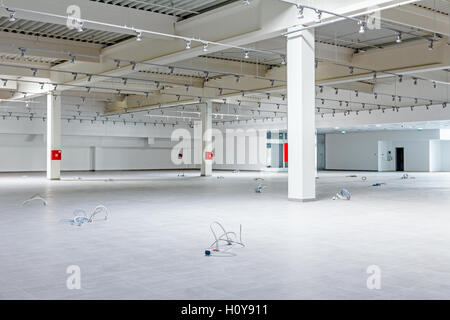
302	200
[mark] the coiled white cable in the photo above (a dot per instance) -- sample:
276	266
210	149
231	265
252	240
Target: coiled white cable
215	249
80	216
34	198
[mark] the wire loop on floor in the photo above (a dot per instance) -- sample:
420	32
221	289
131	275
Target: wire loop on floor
223	243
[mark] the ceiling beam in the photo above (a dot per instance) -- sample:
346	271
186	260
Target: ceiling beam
94	11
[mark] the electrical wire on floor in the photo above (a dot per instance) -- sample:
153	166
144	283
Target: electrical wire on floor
378	184
343	194
224	243
259	188
36	197
81	217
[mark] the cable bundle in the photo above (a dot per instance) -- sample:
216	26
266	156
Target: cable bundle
259	188
223	244
343	194
81	217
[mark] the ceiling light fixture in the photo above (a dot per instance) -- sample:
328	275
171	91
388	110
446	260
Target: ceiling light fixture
138	36
300	12
362	27
12	15
399	37
80	26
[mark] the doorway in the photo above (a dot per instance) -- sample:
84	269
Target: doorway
399	159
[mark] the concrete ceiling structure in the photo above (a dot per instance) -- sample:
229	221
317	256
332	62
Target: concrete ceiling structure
243	66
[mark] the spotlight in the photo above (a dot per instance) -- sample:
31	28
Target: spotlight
205	47
375	95
138	36
42	85
75	75
321	89
125	80
356	93
283	59
374	75
336	90
362	27
351	70
80	26
34	72
415	81
206	76
246	55
12	15
319	15
89	77
5	82
300	12
434	84
430	45
22	52
117	61
400	78
399	37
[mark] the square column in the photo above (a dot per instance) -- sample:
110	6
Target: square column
53	137
207	156
301	115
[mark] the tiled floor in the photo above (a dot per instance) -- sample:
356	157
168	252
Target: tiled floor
152	245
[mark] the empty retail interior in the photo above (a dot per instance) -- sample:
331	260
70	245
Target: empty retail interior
306	141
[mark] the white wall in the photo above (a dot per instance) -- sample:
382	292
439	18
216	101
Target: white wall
359	151
85	146
440	155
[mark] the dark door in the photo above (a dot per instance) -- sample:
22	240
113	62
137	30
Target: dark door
400	159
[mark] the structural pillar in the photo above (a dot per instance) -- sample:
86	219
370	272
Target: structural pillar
54	154
301	115
207	154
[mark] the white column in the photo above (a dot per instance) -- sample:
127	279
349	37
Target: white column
301	116
53	136
206	112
